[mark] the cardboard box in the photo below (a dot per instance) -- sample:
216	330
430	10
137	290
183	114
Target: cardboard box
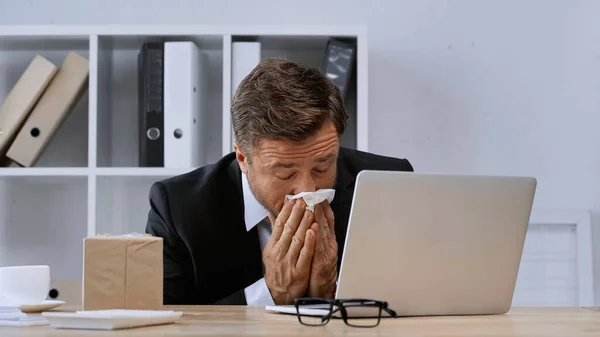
122	272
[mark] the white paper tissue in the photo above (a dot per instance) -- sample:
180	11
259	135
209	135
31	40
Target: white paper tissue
314	198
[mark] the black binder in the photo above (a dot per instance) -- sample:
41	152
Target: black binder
151	114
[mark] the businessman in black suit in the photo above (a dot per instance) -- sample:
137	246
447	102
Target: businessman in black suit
229	235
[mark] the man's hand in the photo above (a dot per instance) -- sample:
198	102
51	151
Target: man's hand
323	273
288	254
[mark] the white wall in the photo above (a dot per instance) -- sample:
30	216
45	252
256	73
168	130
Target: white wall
500	87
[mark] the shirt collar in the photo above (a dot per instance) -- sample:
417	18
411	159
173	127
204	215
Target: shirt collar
254	212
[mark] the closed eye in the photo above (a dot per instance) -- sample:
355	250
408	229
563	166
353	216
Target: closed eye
286	178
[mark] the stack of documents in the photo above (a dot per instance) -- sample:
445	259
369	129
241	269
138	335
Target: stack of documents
13	316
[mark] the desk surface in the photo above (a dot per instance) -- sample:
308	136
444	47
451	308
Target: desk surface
239	320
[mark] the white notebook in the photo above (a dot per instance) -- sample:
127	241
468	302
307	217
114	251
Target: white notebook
110	319
24	321
13	316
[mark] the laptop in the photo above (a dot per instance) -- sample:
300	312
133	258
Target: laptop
434	244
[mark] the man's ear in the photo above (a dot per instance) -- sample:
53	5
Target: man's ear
241	157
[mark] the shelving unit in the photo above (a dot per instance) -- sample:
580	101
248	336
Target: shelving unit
87	181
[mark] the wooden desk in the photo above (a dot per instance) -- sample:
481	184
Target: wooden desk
237	321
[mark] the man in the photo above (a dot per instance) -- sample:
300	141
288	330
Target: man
229	235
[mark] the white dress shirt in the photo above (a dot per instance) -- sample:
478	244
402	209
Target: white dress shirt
256	215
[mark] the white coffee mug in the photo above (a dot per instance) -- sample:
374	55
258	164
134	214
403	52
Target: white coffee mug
24	284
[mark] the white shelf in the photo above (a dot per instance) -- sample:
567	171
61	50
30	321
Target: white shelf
44	171
139	171
61	31
84	171
87	180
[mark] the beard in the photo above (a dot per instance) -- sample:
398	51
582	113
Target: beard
260	197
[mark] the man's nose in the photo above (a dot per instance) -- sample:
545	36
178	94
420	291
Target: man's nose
305	184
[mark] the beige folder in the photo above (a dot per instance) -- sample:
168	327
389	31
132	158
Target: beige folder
57	101
21	99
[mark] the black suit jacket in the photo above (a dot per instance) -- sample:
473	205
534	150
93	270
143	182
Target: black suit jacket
208	256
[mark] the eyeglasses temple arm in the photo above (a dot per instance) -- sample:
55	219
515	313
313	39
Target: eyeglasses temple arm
390	311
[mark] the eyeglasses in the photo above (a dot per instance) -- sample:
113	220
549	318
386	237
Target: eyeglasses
355	312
